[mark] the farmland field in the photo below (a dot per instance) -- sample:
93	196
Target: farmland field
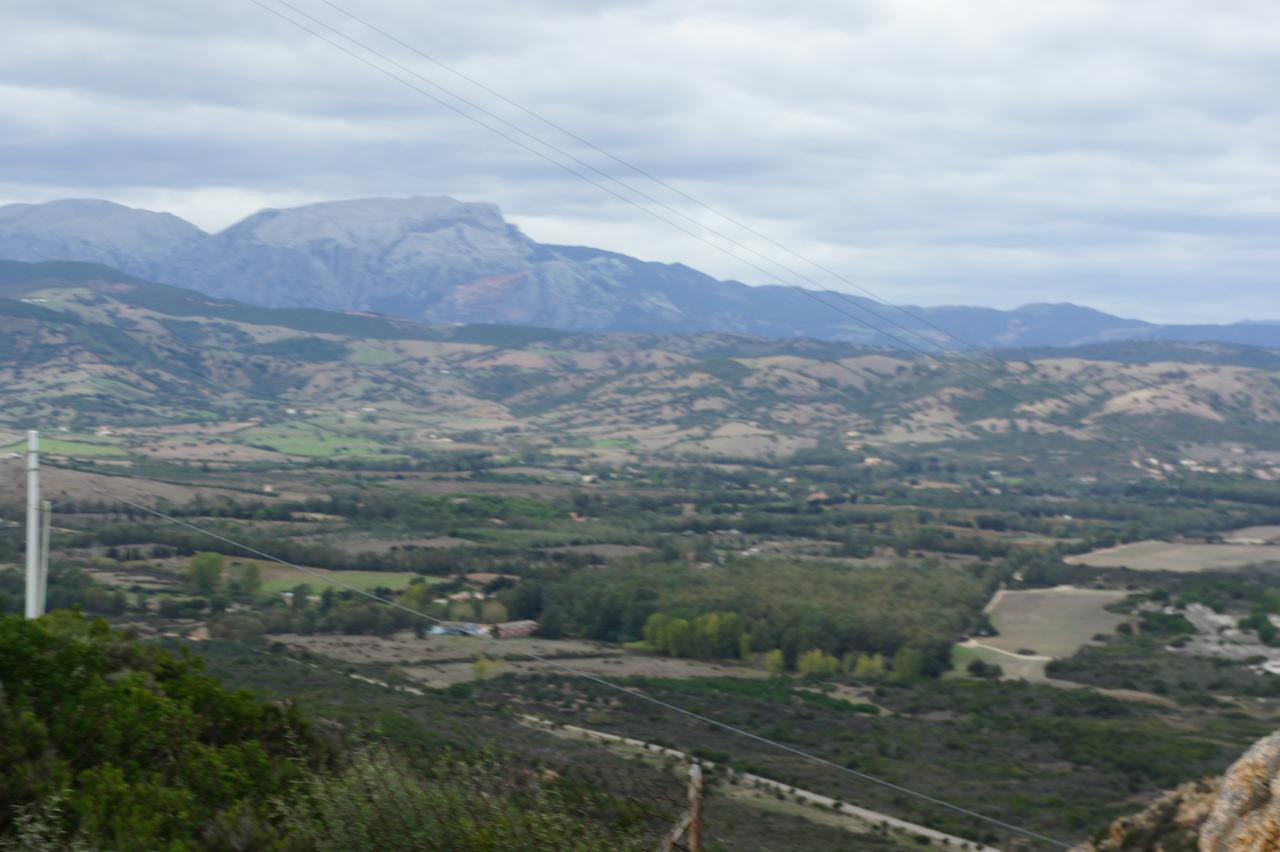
1049	622
55	446
300	440
1170	556
727	534
1013	666
278	578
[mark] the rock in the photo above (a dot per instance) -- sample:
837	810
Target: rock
1169	824
1246	815
1239	812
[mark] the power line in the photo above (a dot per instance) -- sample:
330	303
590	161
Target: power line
583	163
649	176
683	194
641	172
925	797
632	202
625	199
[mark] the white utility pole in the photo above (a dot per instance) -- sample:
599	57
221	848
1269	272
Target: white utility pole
46	524
35	598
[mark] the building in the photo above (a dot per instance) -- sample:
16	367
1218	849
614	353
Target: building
515	629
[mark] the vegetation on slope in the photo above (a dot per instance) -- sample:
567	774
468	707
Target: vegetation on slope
111	744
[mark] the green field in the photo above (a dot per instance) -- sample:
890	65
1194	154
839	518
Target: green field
278	579
55	446
307	441
600	443
372	356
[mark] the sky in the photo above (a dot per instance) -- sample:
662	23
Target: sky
1123	155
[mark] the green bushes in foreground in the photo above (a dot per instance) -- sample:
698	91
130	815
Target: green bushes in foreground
128	747
107	743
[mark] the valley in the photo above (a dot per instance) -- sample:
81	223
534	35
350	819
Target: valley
885	560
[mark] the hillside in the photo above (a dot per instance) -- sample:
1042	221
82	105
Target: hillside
115	744
886	561
85	346
443	261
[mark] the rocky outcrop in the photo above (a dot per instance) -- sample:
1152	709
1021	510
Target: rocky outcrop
1246	814
1239	812
1169	824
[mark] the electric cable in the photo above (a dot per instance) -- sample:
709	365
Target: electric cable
597	679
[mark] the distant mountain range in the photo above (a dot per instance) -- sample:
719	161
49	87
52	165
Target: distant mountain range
443	261
82	345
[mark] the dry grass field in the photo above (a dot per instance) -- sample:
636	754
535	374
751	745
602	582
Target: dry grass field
1052	622
279	578
1049	623
1171	556
440	661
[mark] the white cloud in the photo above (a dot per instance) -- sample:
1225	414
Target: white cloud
1117	153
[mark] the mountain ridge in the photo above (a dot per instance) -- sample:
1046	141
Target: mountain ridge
440	261
83	345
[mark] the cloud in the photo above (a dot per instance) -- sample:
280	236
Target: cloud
1117	154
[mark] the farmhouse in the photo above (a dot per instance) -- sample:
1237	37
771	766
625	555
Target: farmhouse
515	629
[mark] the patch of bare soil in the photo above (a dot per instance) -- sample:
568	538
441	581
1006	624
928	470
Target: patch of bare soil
62	484
617	666
606	551
384	545
1052	622
1178	556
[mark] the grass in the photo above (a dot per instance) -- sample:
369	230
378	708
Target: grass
1180	557
626	443
284	579
588	532
372	356
301	440
962	657
56	446
1053	622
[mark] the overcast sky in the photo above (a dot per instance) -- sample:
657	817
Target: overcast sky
1123	155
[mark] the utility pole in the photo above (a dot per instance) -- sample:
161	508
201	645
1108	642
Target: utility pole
34	599
46	517
694	836
690	826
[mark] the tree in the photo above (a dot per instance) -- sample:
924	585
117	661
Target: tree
464	610
493	612
817	663
301	597
655	627
485	667
248	579
869	667
205	572
980	668
908	664
173	757
775	662
417	596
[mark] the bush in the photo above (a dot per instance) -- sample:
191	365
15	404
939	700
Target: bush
380	803
117	745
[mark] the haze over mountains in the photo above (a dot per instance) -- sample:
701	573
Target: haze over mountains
82	345
443	261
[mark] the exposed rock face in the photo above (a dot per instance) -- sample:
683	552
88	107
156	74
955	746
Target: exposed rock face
1246	815
1239	812
1169	824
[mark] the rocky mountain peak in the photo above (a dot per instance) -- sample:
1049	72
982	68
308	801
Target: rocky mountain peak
446	261
366	222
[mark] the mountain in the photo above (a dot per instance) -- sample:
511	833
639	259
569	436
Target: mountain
84	345
443	261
